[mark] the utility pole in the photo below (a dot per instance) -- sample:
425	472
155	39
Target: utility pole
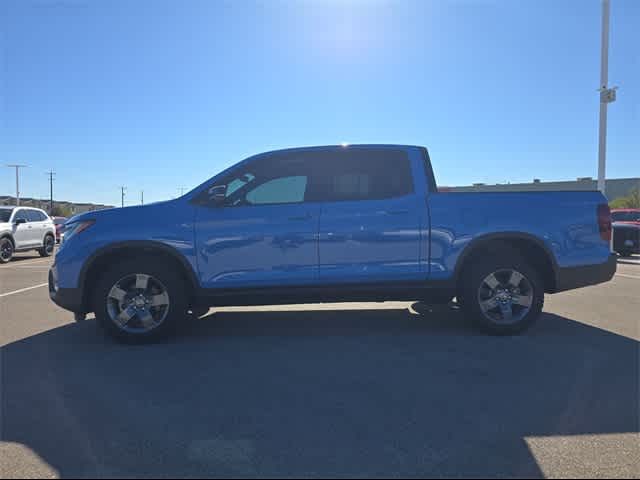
122	189
607	95
141	197
17	167
182	189
51	173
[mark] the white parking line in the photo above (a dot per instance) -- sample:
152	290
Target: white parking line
23	290
25	263
627	276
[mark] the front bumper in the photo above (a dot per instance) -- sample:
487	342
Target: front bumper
569	278
67	298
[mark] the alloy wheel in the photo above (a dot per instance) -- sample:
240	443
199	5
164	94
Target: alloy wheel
505	296
138	303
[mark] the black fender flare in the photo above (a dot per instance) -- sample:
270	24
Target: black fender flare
481	240
148	245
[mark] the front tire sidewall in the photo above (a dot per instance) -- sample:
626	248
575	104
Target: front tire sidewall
174	287
4	242
470	303
43	251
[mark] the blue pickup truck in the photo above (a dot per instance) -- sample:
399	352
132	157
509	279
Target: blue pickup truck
331	224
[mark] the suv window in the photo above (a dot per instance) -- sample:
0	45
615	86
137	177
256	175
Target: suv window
32	215
38	216
5	214
275	179
366	174
21	215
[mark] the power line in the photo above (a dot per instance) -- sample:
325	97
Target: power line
17	167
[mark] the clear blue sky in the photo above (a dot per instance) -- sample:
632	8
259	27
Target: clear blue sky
160	95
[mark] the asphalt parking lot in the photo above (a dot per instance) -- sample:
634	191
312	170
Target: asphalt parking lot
348	390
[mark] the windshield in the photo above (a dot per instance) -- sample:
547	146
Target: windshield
625	216
5	214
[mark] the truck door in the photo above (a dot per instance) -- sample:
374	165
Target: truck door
372	217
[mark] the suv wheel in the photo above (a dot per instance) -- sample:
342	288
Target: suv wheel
47	246
140	301
503	295
6	250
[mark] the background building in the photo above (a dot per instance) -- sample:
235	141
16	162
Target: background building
615	187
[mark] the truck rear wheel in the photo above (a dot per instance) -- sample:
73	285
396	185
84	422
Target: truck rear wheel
502	295
139	301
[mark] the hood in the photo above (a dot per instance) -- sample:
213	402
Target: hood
117	212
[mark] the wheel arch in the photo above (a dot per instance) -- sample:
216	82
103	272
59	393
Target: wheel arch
530	247
131	249
10	237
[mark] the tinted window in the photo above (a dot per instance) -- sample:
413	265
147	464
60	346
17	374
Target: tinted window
625	216
21	215
366	174
278	190
32	216
5	214
274	179
38	216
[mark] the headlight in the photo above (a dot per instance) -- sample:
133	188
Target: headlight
73	229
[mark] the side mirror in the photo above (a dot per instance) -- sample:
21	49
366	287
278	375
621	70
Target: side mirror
19	221
218	194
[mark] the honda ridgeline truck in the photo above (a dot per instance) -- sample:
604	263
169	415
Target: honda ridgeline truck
331	224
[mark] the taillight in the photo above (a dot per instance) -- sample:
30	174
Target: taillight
604	221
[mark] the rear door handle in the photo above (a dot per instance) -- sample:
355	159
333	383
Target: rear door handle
299	218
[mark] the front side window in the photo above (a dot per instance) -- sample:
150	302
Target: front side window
278	190
21	215
276	179
32	216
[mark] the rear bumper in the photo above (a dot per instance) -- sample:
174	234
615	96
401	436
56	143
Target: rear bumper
569	278
67	298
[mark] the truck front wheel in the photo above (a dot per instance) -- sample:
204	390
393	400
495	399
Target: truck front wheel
502	295
140	300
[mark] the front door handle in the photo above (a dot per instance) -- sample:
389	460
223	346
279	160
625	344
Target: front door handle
300	218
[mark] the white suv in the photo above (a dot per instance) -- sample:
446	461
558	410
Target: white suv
24	228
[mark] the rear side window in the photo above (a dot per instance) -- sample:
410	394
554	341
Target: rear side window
365	174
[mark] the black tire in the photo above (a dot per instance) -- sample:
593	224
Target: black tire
625	254
6	250
473	283
166	276
48	245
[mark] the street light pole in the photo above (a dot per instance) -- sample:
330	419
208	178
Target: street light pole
607	95
17	167
122	189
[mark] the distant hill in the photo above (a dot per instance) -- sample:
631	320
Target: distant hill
60	207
